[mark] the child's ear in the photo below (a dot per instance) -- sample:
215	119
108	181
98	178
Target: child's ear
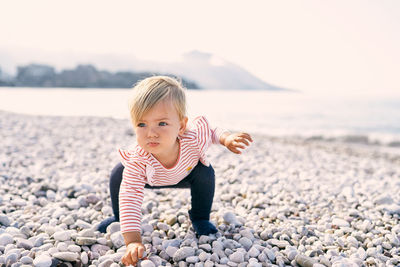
183	123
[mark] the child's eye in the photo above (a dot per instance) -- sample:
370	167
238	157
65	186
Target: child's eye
162	123
141	124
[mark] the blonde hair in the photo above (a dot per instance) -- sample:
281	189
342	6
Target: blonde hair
152	90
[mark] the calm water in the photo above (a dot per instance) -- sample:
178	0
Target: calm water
272	113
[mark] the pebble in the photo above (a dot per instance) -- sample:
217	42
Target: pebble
245	242
203	256
335	212
237	257
11	258
112	228
305	261
4	220
117	240
270	254
26	260
147	263
340	222
74	248
87	241
206	247
183	253
106	263
192	259
230	218
62	235
84	258
66	256
42	261
253	252
6	239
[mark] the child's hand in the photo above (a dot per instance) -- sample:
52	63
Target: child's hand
134	252
236	140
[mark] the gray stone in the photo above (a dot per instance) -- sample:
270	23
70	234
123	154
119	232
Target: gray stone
245	242
24	243
304	261
85	241
26	260
270	254
230	218
183	253
113	228
11	258
87	233
74	248
253	252
265	235
156	260
206	247
82	224
66	256
192	259
117	239
92	199
84	258
278	243
6	239
231	244
237	257
203	256
162	226
38	242
171	251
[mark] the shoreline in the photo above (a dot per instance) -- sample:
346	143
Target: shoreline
356	140
283	201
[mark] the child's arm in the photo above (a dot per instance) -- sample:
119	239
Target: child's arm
134	248
233	141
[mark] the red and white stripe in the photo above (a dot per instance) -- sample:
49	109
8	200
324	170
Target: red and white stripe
193	146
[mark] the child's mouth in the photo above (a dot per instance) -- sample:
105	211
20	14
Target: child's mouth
152	144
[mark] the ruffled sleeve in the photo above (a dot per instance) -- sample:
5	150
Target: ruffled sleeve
206	135
125	156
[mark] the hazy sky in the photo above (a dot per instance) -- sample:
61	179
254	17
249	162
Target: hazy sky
306	45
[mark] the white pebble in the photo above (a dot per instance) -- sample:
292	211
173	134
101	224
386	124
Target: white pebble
147	263
42	261
237	257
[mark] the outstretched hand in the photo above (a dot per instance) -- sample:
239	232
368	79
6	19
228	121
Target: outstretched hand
237	140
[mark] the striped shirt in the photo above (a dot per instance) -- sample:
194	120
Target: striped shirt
143	168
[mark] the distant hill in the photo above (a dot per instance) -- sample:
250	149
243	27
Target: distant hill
205	70
211	72
83	76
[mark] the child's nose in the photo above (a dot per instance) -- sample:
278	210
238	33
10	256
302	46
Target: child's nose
152	132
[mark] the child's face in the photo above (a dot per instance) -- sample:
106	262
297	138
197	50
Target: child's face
158	129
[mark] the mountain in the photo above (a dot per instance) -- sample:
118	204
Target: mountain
206	70
83	76
211	72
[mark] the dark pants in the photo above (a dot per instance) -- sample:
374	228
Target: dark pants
201	182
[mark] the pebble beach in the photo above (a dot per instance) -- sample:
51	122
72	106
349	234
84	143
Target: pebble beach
285	201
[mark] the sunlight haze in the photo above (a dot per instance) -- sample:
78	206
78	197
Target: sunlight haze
304	45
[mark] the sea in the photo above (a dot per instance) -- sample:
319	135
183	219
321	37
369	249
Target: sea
370	118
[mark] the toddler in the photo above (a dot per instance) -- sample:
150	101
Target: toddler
168	154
